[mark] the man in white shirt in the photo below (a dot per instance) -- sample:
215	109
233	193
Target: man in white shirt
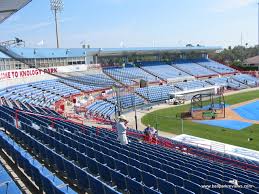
122	129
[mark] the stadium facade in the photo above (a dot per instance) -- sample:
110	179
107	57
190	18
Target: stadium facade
49	57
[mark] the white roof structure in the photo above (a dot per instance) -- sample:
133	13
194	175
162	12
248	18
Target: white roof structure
9	7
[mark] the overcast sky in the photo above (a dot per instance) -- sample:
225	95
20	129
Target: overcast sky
135	23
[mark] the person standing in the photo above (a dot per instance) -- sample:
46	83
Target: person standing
121	127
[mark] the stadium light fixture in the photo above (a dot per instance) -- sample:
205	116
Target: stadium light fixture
57	7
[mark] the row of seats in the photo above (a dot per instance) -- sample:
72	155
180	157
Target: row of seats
228	82
157	93
40	175
191	85
247	80
101	108
215	66
127	101
130	73
193	68
167	72
151	155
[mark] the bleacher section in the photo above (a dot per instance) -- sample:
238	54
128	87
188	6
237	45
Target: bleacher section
42	93
93	160
193	68
129	73
156	93
247	79
101	108
94	80
106	109
227	82
127	101
165	71
215	66
191	85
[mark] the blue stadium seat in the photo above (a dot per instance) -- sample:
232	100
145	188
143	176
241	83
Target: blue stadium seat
160	173
96	185
81	158
148	190
214	179
168	169
208	191
110	190
104	172
181	190
92	165
149	180
192	186
146	168
119	179
70	169
82	179
176	180
121	167
196	179
134	162
109	161
230	191
134	187
47	186
165	187
182	173
123	158
99	157
134	172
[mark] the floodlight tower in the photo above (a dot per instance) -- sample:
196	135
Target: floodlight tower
56	6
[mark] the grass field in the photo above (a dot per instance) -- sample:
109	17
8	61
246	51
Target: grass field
166	120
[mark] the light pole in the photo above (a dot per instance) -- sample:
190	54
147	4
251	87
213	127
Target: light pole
56	6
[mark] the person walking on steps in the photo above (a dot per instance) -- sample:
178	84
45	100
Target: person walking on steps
121	127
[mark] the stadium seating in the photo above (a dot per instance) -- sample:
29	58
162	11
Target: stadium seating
190	85
228	82
129	73
165	71
247	80
193	68
43	178
156	93
215	66
106	109
123	76
71	148
101	108
127	101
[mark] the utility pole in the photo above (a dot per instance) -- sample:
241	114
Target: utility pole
56	6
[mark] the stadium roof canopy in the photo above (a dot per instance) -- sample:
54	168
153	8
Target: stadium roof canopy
9	7
79	52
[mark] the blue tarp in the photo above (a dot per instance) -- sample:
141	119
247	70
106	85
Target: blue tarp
229	124
249	111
